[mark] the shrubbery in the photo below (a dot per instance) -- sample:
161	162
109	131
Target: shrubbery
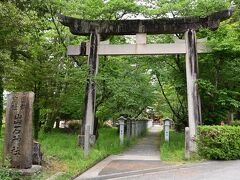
219	142
235	123
6	174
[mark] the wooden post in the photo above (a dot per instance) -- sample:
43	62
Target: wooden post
90	93
18	140
194	104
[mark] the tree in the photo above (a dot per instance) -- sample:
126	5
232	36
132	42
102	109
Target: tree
34	59
10	37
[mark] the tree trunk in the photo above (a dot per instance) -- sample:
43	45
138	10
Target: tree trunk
36	120
57	122
96	125
1	104
50	121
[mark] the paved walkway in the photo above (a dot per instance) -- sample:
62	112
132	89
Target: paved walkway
209	170
142	162
144	155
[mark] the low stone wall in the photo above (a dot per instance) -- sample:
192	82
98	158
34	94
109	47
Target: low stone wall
134	128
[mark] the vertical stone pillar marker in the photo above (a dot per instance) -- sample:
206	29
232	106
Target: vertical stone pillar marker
18	139
128	129
133	128
194	104
136	128
166	129
90	92
121	129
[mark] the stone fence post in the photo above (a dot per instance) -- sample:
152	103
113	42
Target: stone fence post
145	126
128	129
140	127
133	128
137	127
121	129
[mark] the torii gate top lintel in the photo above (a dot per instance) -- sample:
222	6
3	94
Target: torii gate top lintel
148	26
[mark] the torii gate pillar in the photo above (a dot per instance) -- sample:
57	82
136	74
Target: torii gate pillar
90	95
194	103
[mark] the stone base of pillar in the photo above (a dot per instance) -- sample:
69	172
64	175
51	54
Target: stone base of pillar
37	154
92	140
187	143
35	169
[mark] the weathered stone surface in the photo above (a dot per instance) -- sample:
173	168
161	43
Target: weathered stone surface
149	26
37	154
29	172
187	143
194	102
121	121
128	127
90	92
86	140
18	132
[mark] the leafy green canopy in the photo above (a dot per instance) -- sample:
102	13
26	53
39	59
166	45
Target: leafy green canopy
33	58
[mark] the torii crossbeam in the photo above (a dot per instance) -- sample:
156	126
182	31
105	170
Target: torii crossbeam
190	47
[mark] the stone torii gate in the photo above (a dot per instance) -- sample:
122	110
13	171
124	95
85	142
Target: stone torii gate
190	47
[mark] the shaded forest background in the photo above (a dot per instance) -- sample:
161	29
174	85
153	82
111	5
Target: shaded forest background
33	58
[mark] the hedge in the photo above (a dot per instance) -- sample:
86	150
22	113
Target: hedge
219	142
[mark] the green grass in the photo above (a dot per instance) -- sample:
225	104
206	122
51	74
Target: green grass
62	154
1	147
173	151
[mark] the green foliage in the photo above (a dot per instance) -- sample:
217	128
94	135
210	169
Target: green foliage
33	56
63	153
1	102
174	149
6	174
219	142
1	148
219	101
124	88
162	8
220	73
235	123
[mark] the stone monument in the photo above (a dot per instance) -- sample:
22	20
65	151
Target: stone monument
18	140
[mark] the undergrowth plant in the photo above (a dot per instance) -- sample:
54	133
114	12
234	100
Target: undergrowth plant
174	149
219	142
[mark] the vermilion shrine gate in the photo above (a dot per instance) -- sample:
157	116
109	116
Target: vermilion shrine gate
190	47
